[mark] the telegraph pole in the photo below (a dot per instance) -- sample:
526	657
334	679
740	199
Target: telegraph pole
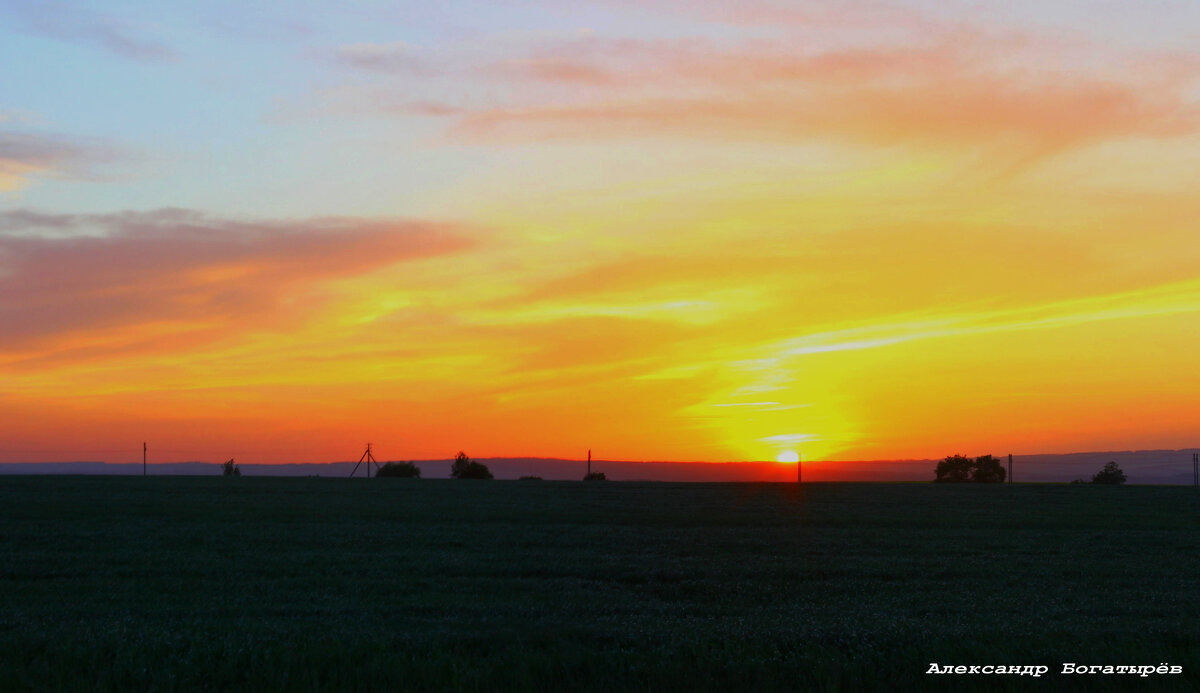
1010	467
368	458
589	471
143	458
799	468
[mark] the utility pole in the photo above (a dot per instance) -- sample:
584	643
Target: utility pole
589	471
1010	467
143	458
368	458
799	468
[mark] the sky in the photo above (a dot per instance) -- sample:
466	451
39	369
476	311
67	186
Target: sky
659	230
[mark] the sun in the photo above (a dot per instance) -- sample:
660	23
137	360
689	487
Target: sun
788	456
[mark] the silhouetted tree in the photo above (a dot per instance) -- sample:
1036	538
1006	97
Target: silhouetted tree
955	468
466	468
595	476
461	462
228	468
959	468
1111	474
987	470
404	470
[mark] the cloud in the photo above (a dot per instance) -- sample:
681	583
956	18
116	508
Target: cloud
360	101
385	57
24	155
117	281
949	93
1027	94
70	22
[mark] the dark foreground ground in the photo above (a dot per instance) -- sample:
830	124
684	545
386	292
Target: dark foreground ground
382	584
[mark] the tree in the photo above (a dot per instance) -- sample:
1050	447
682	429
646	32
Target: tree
229	468
955	468
402	470
466	468
1111	474
987	470
984	469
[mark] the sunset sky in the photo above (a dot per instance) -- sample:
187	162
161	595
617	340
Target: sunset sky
658	229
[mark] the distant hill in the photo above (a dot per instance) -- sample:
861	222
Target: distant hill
1141	466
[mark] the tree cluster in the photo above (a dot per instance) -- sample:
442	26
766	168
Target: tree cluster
958	469
466	468
400	470
230	468
1110	474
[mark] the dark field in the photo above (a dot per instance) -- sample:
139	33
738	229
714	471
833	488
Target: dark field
335	584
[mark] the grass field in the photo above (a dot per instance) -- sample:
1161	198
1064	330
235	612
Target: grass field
335	584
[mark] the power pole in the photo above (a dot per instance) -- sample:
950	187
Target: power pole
143	458
799	468
589	471
368	458
1010	467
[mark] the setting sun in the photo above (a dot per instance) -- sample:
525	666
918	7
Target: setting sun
788	456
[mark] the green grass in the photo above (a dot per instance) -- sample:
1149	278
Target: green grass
265	584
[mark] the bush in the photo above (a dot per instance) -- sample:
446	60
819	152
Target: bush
1111	474
229	468
401	470
466	468
958	468
529	478
595	476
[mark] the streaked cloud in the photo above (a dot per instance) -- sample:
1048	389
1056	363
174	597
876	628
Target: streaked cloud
26	155
396	57
78	23
950	85
114	281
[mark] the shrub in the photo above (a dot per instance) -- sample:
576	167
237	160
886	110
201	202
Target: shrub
466	468
529	478
402	470
595	476
1111	474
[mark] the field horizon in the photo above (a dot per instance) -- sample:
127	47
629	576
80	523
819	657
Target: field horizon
1171	467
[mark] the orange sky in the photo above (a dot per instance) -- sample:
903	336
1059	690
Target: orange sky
858	236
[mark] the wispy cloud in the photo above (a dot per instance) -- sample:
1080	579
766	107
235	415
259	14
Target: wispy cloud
71	282
24	155
76	23
948	84
952	92
1167	299
383	57
361	101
